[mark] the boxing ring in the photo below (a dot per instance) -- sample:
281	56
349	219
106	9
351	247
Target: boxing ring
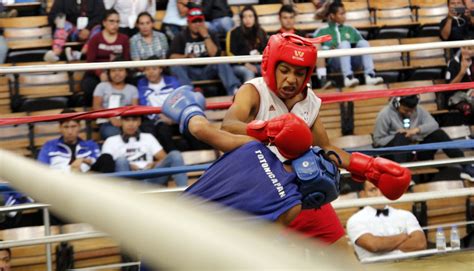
147	221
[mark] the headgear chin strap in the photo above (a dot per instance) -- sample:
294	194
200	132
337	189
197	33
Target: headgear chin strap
292	49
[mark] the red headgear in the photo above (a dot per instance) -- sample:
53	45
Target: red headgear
292	49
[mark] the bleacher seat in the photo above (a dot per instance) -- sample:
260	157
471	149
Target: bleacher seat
426	64
365	111
27	35
429	14
388	65
358	15
5	98
268	17
393	17
441	211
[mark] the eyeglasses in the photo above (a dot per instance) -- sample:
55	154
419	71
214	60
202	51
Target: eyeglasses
197	21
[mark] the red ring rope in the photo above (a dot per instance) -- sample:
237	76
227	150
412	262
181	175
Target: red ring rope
326	98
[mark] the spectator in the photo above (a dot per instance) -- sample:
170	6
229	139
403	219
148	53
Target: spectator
197	41
247	39
5	258
106	46
287	20
175	18
404	122
73	20
147	42
218	16
458	24
133	150
129	11
345	37
383	230
70	152
152	91
460	68
111	94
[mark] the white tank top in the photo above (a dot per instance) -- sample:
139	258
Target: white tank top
272	106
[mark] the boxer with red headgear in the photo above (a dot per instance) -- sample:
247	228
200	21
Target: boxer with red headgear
287	65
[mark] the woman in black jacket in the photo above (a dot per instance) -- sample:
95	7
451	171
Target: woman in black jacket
247	39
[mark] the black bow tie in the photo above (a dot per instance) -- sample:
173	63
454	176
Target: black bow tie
382	211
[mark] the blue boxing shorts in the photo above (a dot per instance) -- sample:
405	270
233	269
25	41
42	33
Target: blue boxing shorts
250	179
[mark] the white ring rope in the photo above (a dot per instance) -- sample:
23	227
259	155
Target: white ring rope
410	197
230	59
162	228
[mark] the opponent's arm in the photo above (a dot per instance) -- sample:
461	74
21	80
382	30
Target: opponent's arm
187	108
224	141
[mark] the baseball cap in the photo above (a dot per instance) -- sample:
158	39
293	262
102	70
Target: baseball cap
195	14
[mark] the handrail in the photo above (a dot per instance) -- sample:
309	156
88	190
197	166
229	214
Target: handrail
24	207
52	239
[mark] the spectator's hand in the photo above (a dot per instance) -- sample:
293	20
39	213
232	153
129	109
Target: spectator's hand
465	64
76	165
134	167
190	55
251	67
87	161
116	122
149	166
202	30
84	34
411	132
166	120
104	77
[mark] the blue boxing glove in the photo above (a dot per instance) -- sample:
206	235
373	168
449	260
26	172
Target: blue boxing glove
183	104
318	178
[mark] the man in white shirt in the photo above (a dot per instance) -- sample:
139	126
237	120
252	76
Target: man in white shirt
383	230
133	151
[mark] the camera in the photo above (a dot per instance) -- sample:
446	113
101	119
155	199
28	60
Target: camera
460	10
406	123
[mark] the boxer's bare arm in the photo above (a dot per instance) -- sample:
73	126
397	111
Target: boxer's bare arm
287	217
321	139
203	130
243	110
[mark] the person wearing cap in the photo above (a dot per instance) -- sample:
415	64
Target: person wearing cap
403	122
133	150
287	64
197	41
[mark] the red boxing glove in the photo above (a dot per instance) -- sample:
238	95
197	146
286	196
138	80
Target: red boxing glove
391	178
290	134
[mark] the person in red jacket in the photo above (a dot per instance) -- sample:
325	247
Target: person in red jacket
287	64
105	46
